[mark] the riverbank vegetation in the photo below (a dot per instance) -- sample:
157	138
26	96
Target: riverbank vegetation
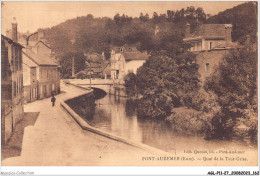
235	84
225	107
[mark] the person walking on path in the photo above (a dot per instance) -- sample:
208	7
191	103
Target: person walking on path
53	99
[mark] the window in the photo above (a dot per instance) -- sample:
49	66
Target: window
117	74
199	46
14	89
192	47
207	67
16	59
17	86
20	57
21	85
210	45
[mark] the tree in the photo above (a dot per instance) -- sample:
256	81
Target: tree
155	18
144	18
66	63
170	14
163	81
235	84
131	84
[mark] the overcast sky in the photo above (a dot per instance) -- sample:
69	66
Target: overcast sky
33	15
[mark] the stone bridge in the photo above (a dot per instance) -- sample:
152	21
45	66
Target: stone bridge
104	87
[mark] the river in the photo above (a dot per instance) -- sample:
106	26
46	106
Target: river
118	116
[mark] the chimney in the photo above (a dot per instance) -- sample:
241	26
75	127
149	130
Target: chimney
41	34
228	28
187	30
14	30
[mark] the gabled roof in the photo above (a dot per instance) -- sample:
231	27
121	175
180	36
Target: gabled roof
28	62
97	68
209	31
10	41
39	59
126	48
95	57
130	52
135	56
43	44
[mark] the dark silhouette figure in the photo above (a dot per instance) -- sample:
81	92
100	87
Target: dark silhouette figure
53	99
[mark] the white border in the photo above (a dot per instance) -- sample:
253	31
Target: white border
129	170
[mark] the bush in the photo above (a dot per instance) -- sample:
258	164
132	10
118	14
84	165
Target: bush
187	121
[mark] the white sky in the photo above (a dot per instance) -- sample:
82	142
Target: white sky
33	15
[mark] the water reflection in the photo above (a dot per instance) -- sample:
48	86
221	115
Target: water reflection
118	115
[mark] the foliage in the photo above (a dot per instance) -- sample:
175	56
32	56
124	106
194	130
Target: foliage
163	81
130	84
66	63
187	121
235	84
90	34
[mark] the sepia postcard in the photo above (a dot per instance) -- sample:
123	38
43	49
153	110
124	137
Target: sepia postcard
129	83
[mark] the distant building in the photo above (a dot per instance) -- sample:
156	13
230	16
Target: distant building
97	66
12	110
126	59
210	42
41	69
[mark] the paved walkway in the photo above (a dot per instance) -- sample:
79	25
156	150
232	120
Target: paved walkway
57	140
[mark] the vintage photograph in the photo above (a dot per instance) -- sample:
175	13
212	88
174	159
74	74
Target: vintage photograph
129	83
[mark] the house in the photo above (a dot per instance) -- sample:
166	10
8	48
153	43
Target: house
12	110
210	42
44	77
41	69
30	82
97	66
126	59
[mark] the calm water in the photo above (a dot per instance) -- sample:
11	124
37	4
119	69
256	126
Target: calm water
118	116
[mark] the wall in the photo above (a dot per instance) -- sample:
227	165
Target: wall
12	105
133	65
213	58
117	63
42	49
49	81
215	43
6	121
26	75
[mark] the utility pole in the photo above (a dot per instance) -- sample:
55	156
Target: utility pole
90	72
90	60
73	67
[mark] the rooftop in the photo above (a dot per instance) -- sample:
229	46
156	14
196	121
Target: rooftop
135	56
28	62
130	52
209	31
39	59
10	41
